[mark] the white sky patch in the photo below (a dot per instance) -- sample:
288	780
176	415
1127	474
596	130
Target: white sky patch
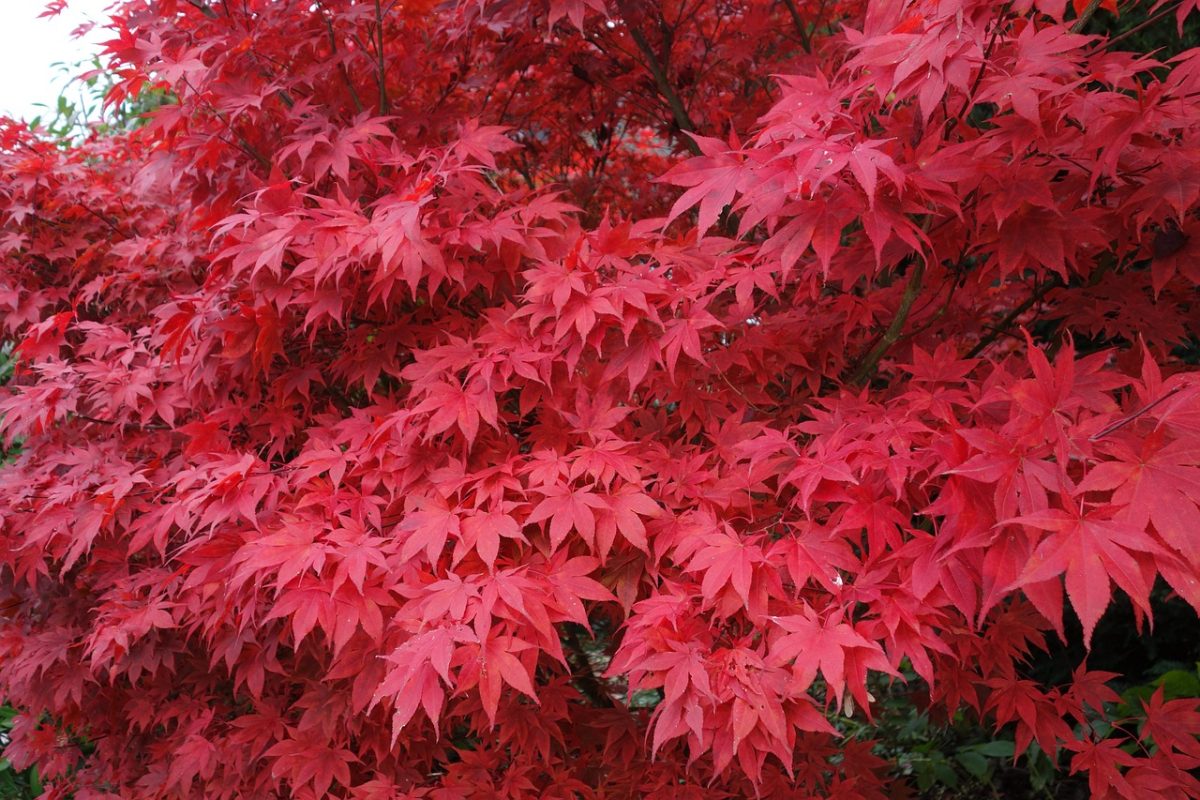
29	48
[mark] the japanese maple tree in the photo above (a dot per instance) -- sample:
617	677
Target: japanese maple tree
596	398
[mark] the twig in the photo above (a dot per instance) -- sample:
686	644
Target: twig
1085	15
1002	327
740	393
112	224
146	427
358	106
1123	421
241	143
867	366
384	105
203	8
585	679
801	27
1146	23
659	73
936	315
987	53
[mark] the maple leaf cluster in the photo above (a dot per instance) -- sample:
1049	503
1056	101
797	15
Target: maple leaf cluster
594	398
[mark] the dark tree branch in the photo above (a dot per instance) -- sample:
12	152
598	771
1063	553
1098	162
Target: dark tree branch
203	8
1001	328
801	26
358	106
381	67
867	366
658	71
1136	29
1085	15
585	680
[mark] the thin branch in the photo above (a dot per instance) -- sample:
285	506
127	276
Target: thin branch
241	143
801	26
1136	29
111	223
740	393
659	73
144	426
1123	421
1001	328
936	315
867	366
381	68
358	106
585	678
1085	15
987	53
203	8
523	168
245	147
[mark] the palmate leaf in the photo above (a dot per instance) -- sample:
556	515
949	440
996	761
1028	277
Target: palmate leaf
1091	552
529	398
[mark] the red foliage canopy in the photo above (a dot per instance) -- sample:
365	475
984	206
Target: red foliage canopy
788	346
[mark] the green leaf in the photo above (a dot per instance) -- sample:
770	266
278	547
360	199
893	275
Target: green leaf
1179	683
1041	768
1131	699
925	776
973	762
945	773
997	749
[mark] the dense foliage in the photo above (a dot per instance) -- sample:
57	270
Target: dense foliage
600	398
